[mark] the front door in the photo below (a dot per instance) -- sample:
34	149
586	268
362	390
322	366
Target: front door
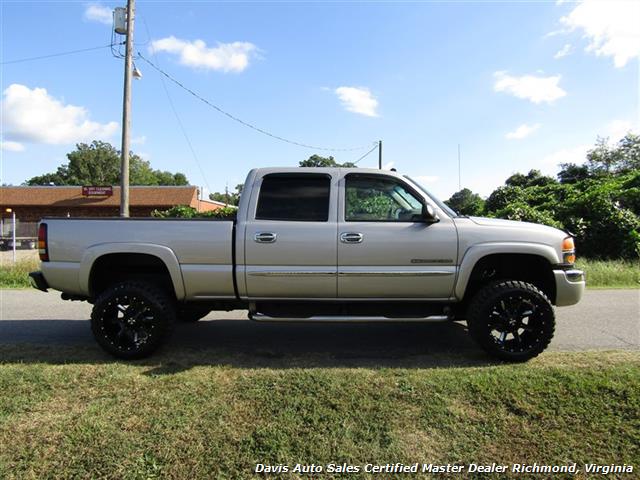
385	248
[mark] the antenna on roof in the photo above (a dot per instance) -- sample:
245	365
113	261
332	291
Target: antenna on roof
459	172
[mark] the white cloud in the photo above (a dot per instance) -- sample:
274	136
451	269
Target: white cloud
98	13
576	155
11	146
141	140
522	131
617	129
358	100
530	87
32	115
564	51
613	28
226	57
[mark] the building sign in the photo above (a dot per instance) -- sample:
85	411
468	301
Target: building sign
97	191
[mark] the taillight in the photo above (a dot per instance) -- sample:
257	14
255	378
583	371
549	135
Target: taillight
43	248
568	251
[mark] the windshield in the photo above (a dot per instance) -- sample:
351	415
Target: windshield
443	206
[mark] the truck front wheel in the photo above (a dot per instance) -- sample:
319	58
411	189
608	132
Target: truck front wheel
511	320
132	319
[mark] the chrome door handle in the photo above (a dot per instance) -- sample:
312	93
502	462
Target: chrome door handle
265	237
351	237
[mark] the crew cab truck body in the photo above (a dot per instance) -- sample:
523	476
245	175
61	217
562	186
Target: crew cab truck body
316	244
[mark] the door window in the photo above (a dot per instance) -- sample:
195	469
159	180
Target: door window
374	198
294	197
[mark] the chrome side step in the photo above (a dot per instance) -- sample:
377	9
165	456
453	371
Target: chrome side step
259	317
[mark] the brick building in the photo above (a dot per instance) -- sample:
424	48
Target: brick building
30	204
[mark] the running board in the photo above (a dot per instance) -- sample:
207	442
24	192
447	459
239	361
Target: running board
259	317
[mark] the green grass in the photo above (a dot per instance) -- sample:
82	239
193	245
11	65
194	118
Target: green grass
17	275
600	273
188	417
611	273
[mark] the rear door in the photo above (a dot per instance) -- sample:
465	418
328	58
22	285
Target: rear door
385	248
290	240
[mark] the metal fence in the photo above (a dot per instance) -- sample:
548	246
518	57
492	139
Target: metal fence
26	234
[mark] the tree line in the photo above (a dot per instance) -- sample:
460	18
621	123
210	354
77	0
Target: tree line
98	163
598	202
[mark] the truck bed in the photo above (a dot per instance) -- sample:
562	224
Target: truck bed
202	250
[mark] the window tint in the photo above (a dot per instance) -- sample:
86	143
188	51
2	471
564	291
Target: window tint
297	197
380	199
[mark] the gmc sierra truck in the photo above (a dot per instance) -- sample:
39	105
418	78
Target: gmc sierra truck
316	245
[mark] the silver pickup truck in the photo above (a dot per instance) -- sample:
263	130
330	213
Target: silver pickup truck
316	244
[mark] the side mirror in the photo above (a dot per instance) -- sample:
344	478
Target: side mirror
429	215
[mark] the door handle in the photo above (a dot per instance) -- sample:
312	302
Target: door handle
265	237
351	237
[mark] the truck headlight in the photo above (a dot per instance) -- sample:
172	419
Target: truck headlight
568	251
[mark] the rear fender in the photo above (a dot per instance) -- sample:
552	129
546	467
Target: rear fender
164	254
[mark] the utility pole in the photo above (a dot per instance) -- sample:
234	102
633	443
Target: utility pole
126	110
380	154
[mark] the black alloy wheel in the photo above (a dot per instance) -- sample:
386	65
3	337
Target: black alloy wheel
511	320
132	319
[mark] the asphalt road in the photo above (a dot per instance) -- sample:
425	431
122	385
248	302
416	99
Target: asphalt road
604	319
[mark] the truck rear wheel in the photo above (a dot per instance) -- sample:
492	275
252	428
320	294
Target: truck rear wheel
511	320
132	319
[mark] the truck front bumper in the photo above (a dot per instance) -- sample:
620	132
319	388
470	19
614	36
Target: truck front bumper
570	285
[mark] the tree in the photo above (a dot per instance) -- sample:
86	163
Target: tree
465	202
572	173
318	161
228	198
599	201
99	164
533	178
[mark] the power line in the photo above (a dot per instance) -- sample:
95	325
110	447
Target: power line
175	113
363	156
242	122
41	57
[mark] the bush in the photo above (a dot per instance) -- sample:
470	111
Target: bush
184	211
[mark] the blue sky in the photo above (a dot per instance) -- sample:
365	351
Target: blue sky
519	85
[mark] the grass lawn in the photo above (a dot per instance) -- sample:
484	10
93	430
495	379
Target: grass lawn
77	414
611	273
16	275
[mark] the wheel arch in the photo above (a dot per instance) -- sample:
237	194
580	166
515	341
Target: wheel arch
105	263
516	262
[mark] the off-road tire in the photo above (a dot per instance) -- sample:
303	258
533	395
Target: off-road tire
132	319
511	320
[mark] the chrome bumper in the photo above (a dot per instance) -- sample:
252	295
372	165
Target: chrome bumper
570	285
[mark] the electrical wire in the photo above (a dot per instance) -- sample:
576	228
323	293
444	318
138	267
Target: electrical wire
363	156
242	122
175	113
41	57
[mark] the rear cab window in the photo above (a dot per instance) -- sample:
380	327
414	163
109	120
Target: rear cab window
297	197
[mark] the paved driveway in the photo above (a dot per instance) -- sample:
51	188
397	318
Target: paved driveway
604	319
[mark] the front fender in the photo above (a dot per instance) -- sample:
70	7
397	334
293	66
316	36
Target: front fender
164	254
475	253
